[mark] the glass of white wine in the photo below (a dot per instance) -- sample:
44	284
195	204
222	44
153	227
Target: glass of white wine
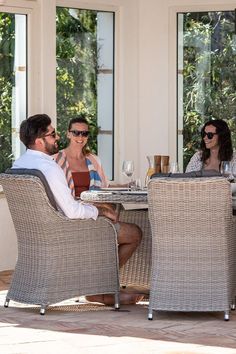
226	170
128	169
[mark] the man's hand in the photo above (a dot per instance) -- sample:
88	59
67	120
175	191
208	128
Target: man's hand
107	210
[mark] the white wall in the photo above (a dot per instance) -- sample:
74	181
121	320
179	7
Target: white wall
8	248
145	101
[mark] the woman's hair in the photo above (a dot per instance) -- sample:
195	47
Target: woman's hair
81	120
34	127
224	140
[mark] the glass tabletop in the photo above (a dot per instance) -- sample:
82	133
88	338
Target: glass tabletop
114	196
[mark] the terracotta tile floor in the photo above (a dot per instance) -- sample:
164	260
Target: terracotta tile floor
71	328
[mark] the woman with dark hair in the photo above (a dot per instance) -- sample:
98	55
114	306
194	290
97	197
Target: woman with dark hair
216	146
83	170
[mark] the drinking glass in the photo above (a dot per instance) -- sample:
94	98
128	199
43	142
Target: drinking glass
128	169
174	167
136	185
233	170
226	169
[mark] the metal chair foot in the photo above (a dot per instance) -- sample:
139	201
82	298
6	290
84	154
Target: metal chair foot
232	307
150	317
42	310
226	316
6	303
117	301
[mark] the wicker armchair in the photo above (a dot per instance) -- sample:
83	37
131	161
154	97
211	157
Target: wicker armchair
137	271
58	257
193	245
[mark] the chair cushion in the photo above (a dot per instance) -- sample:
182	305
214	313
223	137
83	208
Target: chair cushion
40	175
192	174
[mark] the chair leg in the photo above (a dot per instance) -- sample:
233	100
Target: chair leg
117	301
6	303
226	316
43	309
150	314
232	306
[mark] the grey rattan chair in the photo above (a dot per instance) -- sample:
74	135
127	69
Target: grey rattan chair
136	272
193	245
58	258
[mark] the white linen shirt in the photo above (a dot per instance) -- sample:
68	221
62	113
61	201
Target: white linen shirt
56	179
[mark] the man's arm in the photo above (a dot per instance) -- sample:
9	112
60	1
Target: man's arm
72	208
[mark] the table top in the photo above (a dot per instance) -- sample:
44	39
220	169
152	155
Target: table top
115	196
129	197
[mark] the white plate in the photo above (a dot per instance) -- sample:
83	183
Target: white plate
99	191
111	189
134	192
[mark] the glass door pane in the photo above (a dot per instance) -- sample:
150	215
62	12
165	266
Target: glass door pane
206	75
13	79
85	76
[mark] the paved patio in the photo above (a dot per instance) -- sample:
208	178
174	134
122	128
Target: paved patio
83	328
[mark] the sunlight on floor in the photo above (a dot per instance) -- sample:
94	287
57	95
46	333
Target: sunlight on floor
79	327
35	341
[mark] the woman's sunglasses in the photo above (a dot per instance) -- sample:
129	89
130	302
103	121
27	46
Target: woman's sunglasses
83	133
209	135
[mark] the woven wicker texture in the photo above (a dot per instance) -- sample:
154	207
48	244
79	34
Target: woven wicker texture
193	244
58	258
136	272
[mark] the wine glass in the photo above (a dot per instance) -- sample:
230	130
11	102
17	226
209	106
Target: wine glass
226	169
128	169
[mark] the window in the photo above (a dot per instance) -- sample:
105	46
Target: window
13	78
206	75
85	76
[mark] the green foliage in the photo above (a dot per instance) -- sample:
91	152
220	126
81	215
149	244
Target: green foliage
76	70
209	74
7	43
76	74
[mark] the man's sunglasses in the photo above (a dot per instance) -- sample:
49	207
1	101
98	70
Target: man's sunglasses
52	134
209	135
83	133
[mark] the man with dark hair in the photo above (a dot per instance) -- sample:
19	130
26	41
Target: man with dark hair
41	140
